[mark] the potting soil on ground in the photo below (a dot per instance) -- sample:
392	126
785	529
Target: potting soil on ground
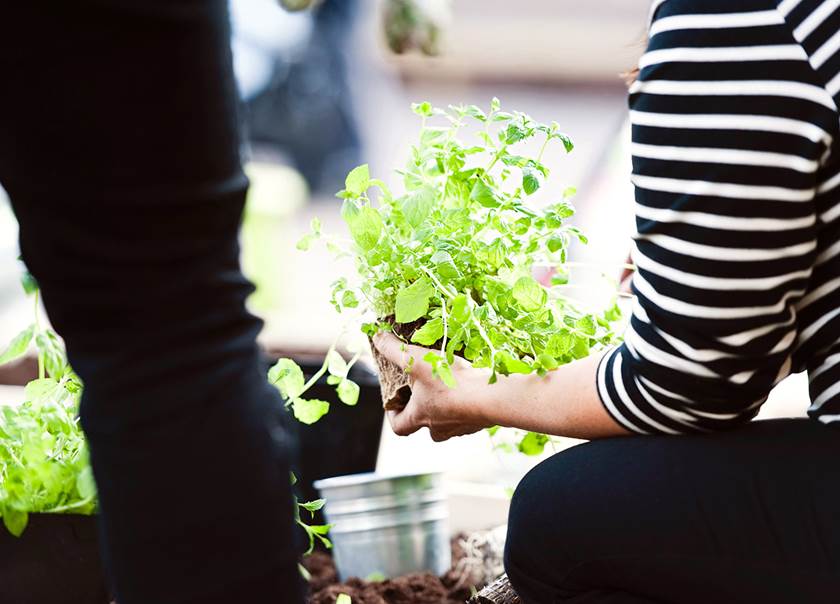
418	588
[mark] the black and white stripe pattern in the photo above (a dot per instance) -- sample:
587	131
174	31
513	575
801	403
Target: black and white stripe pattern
736	163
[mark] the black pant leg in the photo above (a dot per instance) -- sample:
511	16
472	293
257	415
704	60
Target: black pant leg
119	149
739	517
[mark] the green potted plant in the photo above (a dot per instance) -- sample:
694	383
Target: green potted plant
47	491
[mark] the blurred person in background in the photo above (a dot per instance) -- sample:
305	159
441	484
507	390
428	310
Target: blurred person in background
119	150
680	498
293	74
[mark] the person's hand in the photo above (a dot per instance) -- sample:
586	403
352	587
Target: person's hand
446	412
625	280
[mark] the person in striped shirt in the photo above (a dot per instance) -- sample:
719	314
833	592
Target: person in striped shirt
736	166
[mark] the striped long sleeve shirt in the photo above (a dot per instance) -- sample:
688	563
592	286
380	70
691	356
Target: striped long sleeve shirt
736	166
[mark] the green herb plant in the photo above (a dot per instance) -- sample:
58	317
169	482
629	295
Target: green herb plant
44	464
43	456
449	262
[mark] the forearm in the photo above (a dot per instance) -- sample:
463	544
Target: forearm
564	402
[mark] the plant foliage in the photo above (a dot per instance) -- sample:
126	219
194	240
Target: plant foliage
44	465
43	456
449	262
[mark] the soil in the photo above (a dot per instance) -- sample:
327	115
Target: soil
417	588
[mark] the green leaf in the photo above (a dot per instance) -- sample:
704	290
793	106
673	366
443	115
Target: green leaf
288	378
429	334
30	285
560	343
586	325
461	309
309	411
349	300
15	521
358	180
561	277
376	577
514	134
313	506
305	242
475	112
556	244
348	392
547	362
581	348
440	368
510	364
418	205
529	294
445	265
533	443
423	109
85	483
40	391
50	349
484	195
413	301
365	224
567	142
530	181
613	313
18	346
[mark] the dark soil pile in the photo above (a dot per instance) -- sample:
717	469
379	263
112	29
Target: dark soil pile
418	588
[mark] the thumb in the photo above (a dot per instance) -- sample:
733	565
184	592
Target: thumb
392	349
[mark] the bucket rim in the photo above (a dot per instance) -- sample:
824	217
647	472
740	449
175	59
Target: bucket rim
350	480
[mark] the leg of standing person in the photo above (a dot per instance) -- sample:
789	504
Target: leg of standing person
119	151
739	517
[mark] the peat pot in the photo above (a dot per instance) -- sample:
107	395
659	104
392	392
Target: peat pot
55	561
388	525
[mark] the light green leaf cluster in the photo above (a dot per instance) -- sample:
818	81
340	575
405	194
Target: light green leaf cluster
44	465
449	263
289	380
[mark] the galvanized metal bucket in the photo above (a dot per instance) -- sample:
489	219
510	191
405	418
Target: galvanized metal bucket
387	525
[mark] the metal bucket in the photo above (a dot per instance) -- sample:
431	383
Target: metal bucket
388	525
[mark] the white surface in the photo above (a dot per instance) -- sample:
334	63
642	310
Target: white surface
11	395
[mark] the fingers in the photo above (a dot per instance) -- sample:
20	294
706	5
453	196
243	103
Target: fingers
402	422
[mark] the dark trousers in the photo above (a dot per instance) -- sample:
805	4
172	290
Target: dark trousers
119	150
744	517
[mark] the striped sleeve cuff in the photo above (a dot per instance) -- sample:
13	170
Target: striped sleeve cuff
625	401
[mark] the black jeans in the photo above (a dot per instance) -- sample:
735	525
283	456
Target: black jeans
119	150
744	517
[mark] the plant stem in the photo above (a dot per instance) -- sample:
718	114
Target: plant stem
542	149
440	285
73	506
320	373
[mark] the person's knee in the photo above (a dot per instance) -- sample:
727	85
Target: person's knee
545	516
